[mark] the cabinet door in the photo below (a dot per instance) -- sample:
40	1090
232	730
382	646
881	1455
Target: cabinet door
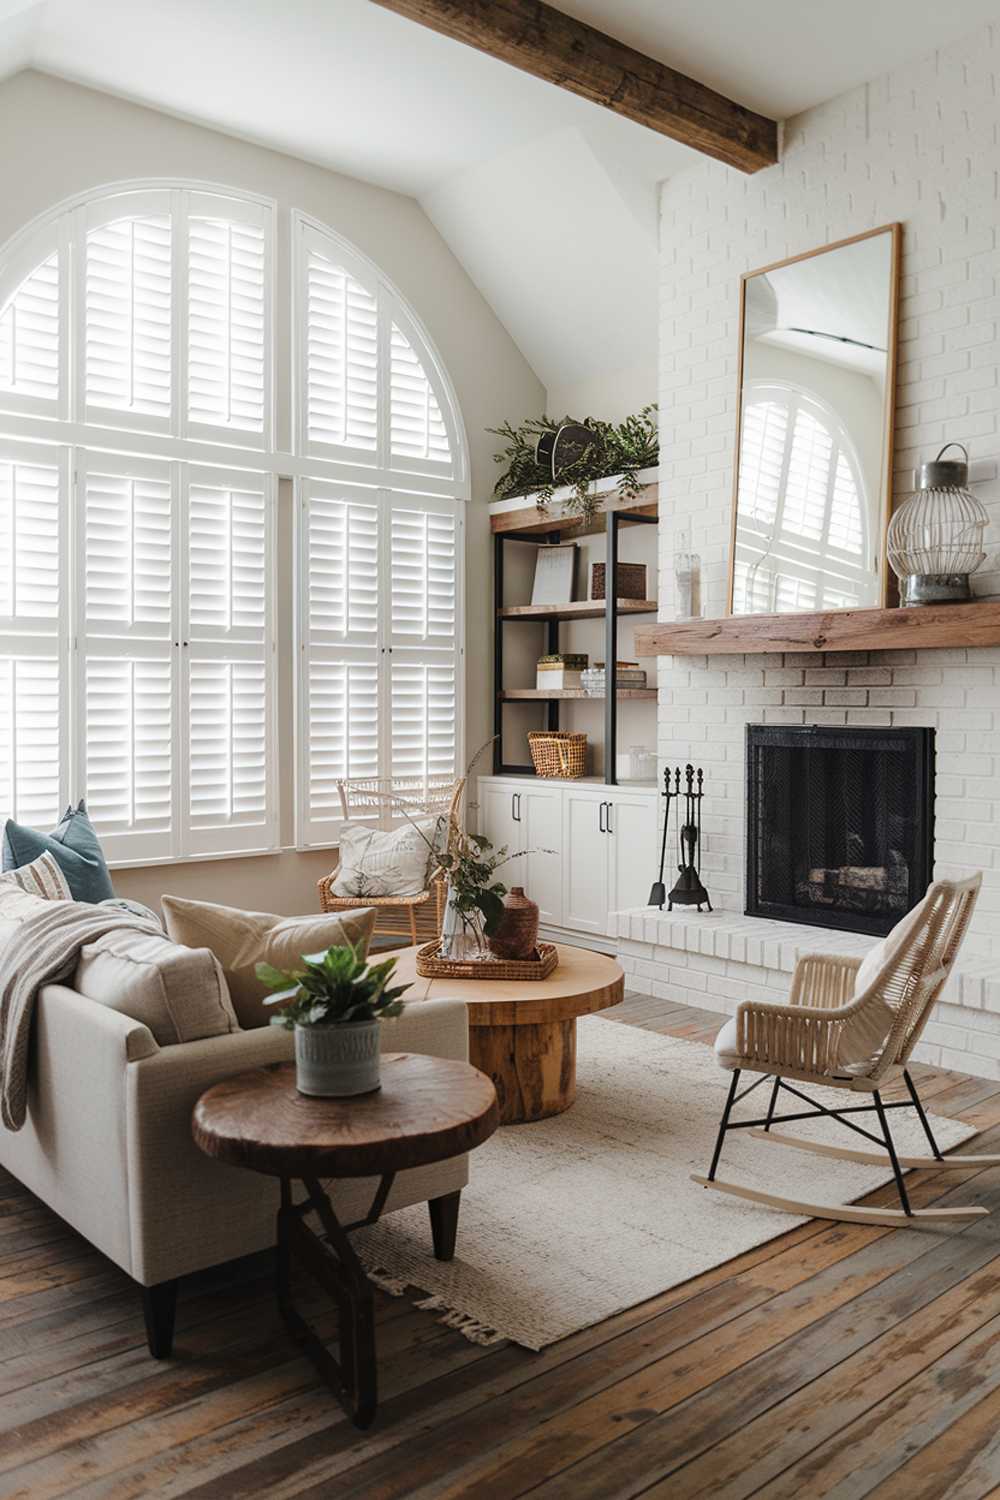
498	821
632	850
540	828
585	861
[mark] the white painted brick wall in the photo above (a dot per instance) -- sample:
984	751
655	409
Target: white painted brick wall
919	146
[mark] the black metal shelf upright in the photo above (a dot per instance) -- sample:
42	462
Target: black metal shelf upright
614	520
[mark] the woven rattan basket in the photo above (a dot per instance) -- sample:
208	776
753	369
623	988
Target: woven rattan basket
557	752
429	966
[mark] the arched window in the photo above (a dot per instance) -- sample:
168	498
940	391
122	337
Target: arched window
140	588
380	543
802	540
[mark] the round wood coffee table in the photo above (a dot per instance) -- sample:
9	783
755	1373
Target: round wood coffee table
427	1109
522	1033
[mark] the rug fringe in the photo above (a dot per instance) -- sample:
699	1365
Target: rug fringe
386	1283
464	1323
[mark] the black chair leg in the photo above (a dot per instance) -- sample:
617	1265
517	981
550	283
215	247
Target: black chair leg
444	1224
897	1172
722	1125
915	1097
771	1106
159	1304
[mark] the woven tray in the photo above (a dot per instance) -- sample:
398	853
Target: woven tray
429	966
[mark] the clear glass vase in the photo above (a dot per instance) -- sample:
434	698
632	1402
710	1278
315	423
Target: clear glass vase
463	937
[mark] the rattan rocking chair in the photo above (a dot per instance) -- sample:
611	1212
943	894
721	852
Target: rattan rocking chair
833	1035
416	918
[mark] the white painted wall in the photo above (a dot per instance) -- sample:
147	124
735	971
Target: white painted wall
61	139
919	146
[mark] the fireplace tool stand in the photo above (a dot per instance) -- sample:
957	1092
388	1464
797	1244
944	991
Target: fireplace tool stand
688	890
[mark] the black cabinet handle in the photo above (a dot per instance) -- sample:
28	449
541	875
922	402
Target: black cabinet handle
601	826
515	806
607	819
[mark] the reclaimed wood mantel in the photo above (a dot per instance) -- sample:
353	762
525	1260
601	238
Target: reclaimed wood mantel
975	624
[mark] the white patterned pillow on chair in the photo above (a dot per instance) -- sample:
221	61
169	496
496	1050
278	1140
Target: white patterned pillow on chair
375	863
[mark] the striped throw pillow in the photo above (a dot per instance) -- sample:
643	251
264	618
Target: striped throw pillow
42	877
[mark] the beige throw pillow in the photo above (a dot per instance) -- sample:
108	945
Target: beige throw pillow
241	940
179	992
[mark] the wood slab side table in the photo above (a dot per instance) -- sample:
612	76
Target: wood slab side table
427	1109
523	1032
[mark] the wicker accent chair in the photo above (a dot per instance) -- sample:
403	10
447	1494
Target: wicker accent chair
852	1032
416	918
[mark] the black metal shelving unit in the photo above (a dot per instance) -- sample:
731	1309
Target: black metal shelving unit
553	617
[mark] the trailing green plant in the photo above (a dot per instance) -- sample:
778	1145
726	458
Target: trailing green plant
470	863
622	448
333	988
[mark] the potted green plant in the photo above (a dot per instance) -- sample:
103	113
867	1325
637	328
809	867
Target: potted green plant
334	1004
623	449
475	898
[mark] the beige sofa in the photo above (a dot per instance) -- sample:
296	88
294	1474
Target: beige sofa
107	1143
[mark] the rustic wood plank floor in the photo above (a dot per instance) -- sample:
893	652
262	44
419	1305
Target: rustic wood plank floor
839	1360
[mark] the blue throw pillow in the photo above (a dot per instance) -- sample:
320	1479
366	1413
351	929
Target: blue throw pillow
74	846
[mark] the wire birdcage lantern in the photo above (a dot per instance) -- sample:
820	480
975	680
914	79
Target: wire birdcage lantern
935	538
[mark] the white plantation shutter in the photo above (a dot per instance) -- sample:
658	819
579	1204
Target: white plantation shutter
227	550
228	658
32	788
226	323
127	316
417	428
128	759
128	553
341	338
33	509
31	531
125	656
29	335
379	623
339	538
424	719
424	578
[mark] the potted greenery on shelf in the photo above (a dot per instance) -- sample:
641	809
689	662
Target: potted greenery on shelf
334	1004
622	448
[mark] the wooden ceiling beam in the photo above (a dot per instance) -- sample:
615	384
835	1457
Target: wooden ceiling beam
541	40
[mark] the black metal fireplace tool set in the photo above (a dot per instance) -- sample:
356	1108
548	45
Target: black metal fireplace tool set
688	890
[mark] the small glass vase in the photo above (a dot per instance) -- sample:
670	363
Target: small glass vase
462	934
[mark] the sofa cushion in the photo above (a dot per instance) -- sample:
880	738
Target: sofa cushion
241	940
74	845
877	958
42	878
180	993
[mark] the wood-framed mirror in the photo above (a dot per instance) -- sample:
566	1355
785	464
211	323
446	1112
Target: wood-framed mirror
813	482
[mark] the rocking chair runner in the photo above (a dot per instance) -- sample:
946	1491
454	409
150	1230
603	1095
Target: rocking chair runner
416	918
851	1024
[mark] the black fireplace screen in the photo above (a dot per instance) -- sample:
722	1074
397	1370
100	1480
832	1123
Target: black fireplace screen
840	829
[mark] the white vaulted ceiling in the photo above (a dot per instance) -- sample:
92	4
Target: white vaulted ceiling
549	202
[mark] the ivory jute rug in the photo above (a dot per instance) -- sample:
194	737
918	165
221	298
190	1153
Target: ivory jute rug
569	1220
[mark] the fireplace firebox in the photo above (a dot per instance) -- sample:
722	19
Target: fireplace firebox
840	824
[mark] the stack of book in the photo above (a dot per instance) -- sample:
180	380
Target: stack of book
630	675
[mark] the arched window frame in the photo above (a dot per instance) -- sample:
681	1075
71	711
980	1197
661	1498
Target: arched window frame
71	431
372	668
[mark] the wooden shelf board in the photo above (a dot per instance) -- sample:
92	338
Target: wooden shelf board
535	521
580	609
935	625
515	695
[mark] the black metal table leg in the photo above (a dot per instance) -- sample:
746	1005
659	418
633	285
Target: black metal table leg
332	1262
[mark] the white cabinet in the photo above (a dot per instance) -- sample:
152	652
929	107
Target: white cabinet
604	838
585	860
527	816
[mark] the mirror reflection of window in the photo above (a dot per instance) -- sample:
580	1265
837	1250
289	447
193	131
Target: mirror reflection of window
817	375
802	539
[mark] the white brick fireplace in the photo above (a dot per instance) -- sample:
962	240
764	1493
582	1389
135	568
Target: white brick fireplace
918	146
